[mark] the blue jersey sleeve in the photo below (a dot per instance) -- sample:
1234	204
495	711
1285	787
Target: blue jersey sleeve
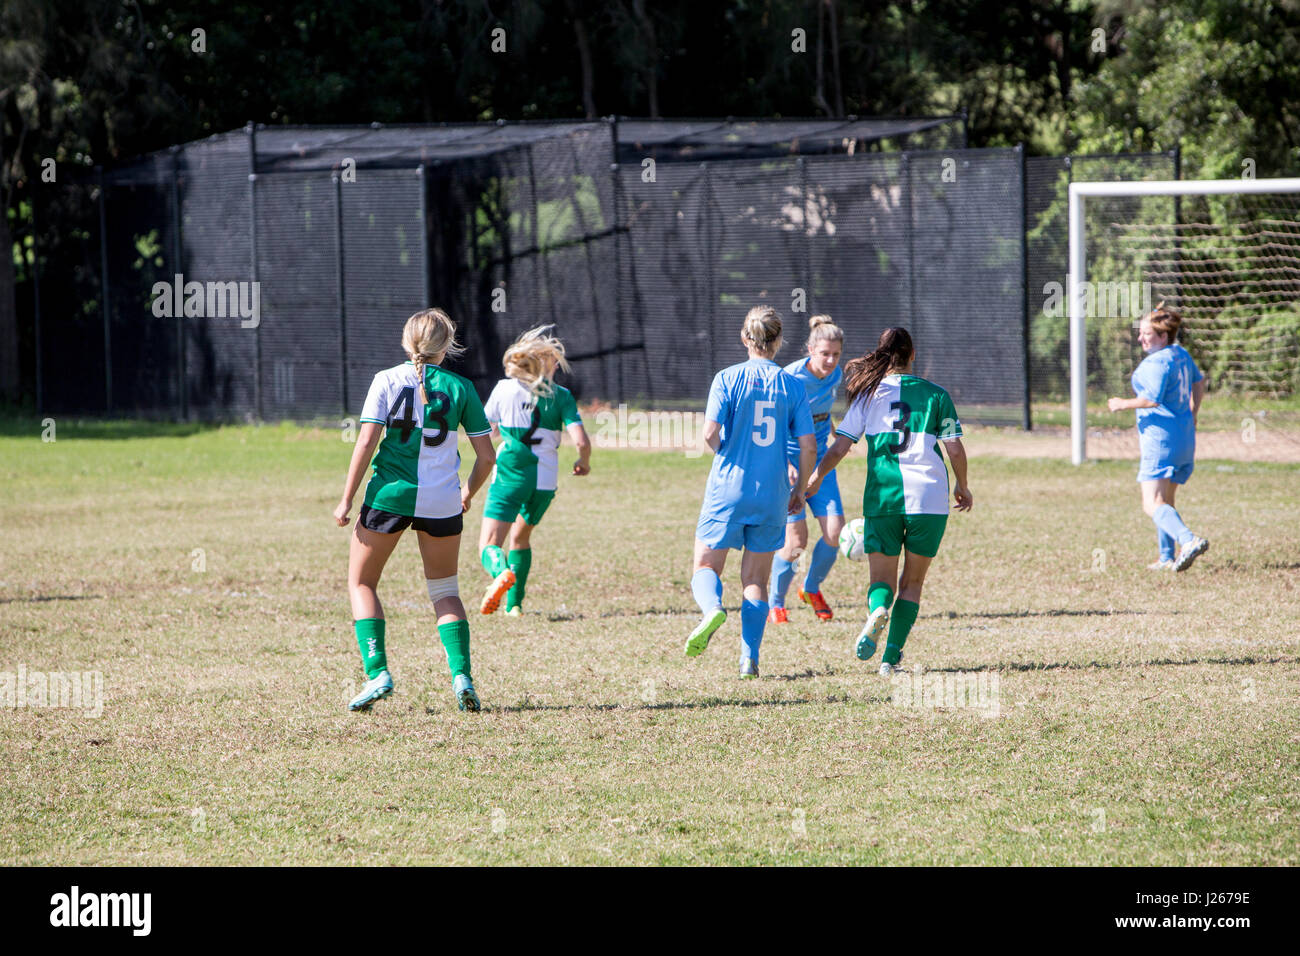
719	408
801	422
1150	379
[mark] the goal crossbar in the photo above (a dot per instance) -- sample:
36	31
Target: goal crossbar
1079	264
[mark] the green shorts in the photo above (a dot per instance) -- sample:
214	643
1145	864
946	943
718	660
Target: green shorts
889	534
505	501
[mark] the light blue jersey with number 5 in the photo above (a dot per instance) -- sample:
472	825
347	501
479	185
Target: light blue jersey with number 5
760	407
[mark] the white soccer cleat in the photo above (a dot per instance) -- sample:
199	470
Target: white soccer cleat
1164	564
889	670
1190	552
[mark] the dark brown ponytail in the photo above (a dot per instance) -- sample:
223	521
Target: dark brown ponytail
862	375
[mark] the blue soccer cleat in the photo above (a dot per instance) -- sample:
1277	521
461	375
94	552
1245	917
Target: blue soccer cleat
871	632
466	699
376	689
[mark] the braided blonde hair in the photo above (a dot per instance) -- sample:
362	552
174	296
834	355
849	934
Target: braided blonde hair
428	338
534	358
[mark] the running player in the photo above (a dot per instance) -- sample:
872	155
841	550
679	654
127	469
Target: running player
412	412
1169	390
905	502
531	411
820	373
755	409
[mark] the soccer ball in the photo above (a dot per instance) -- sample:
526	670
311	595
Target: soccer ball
852	540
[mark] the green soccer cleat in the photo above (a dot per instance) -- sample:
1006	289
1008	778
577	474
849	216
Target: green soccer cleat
377	689
699	639
871	631
748	668
466	699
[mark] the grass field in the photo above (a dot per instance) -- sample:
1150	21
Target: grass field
1141	718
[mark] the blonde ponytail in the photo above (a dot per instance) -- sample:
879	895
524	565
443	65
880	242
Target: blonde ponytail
534	358
762	330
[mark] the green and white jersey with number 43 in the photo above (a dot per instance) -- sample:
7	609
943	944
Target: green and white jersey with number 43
417	468
531	426
904	420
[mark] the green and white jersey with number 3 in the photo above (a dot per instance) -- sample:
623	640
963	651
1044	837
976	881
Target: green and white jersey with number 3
417	468
531	426
903	420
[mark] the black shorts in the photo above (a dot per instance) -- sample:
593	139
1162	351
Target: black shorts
385	522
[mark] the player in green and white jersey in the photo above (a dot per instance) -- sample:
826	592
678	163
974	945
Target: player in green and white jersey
531	412
905	419
412	414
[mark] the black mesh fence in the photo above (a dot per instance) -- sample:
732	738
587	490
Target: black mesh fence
646	269
932	241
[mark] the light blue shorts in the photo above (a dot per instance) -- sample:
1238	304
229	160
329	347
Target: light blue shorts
752	537
825	502
1158	462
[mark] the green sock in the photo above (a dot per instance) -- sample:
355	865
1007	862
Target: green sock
900	624
494	560
370	639
455	640
879	595
520	561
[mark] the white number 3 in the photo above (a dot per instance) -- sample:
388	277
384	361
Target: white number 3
765	422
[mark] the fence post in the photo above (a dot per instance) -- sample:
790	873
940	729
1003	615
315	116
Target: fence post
1027	419
36	305
709	284
342	294
906	175
806	278
252	235
424	237
104	287
178	253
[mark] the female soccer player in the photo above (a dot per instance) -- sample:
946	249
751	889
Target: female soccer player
531	411
905	502
1169	390
820	373
412	412
755	409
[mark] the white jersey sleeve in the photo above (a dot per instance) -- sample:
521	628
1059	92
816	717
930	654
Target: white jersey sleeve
854	422
379	400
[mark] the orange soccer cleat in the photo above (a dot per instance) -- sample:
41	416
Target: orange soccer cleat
778	616
502	583
819	605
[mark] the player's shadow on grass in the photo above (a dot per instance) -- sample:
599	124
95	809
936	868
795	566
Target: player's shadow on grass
1111	665
43	598
1046	612
704	704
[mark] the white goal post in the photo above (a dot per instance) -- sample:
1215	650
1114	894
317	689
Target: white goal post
1078	269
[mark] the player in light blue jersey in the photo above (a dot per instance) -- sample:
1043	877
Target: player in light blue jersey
755	408
1169	390
820	373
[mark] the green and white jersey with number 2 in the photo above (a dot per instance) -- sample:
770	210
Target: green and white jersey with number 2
904	420
531	426
417	468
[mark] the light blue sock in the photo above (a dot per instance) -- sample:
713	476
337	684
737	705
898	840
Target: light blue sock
782	575
707	588
823	557
753	618
1168	521
1166	543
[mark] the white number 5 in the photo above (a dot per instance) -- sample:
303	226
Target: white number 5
765	422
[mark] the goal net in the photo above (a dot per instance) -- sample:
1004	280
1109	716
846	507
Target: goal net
1224	253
